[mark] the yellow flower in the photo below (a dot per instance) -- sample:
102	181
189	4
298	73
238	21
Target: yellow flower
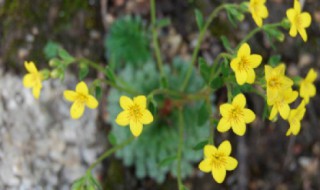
307	88
244	64
258	10
281	103
295	117
276	81
217	161
33	79
235	115
299	21
134	113
80	99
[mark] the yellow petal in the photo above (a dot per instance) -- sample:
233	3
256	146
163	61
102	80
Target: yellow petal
239	100
305	19
249	115
284	111
311	76
82	88
123	118
147	117
257	20
244	50
291	96
251	76
297	6
28	81
232	163
255	60
141	101
239	128
209	150
223	125
205	165
303	34
219	174
295	128
274	112
70	95
225	109
241	77
235	64
135	128
92	102
31	68
293	30
267	71
291	14
36	92
280	69
125	102
263	12
76	110
225	147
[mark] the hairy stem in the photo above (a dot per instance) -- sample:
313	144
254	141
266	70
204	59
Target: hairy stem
155	37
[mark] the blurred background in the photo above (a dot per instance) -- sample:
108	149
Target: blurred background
42	148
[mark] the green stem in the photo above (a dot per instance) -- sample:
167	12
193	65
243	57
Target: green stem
91	64
181	126
256	30
109	152
213	14
155	37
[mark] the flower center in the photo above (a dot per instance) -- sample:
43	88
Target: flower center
298	21
244	64
235	114
218	160
36	79
274	83
135	112
82	98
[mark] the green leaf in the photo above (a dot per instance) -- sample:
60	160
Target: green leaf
203	115
200	145
216	83
98	91
110	74
54	62
83	71
78	184
274	33
64	55
51	49
112	139
94	183
274	60
167	161
204	70
163	22
199	19
226	43
225	69
164	82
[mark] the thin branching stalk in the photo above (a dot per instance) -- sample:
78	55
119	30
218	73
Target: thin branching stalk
213	14
181	131
109	152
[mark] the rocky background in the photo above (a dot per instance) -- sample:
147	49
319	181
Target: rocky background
42	148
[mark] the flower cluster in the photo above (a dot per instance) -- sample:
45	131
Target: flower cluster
299	20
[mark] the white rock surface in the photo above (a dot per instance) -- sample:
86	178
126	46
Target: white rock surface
40	146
